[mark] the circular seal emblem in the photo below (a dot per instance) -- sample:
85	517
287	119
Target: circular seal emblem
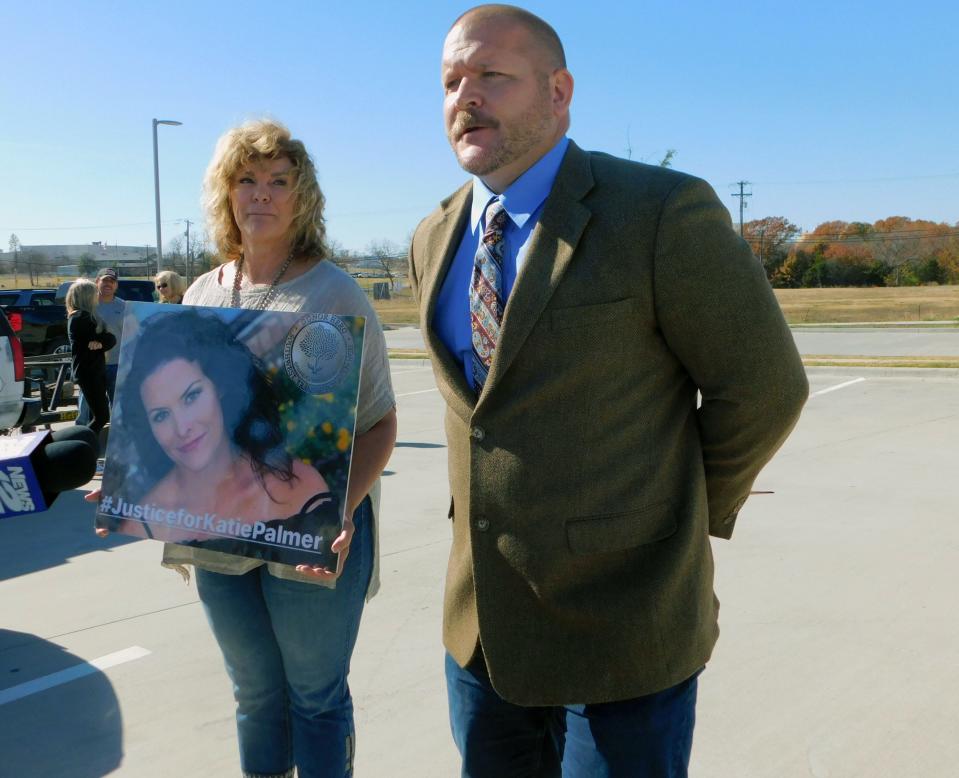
319	352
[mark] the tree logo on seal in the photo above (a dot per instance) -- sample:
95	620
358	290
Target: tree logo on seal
319	352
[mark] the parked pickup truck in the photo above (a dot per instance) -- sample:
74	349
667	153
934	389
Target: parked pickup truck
15	409
38	319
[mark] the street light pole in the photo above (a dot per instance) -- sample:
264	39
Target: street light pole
156	181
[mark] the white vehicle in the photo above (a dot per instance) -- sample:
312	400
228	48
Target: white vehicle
15	409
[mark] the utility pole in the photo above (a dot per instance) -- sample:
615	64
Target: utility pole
742	203
156	184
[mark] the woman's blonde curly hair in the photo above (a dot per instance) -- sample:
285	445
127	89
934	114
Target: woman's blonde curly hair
251	142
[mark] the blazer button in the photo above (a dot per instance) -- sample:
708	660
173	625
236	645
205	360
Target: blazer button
482	524
477	434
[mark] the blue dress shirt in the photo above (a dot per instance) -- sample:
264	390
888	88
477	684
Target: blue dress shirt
523	202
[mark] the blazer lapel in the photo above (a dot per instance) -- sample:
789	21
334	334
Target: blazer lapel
551	249
441	244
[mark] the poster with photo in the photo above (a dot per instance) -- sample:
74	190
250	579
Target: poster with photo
232	430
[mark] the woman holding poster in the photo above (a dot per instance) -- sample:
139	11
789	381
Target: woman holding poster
286	632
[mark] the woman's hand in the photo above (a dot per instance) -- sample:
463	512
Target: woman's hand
94	496
95	345
341	546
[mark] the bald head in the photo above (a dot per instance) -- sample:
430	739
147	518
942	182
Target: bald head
540	33
506	92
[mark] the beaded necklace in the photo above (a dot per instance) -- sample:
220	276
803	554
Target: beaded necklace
267	299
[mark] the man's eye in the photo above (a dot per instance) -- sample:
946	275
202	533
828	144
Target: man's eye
451	84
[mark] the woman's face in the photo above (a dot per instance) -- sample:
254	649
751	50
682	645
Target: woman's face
262	199
164	290
185	414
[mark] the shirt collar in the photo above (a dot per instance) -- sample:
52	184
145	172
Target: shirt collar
526	193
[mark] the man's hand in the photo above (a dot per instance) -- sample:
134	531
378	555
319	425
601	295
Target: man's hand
95	345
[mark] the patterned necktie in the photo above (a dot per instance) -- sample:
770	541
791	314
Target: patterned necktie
486	293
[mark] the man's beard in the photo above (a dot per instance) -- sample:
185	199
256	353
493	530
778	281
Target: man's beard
517	139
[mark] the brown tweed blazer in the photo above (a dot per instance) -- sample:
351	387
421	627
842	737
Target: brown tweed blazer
585	481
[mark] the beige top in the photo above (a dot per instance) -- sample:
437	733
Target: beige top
324	288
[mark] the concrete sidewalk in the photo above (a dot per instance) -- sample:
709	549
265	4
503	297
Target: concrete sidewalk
836	658
859	341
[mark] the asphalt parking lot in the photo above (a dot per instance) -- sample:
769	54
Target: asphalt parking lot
838	638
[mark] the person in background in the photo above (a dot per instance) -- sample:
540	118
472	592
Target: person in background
170	286
89	340
110	312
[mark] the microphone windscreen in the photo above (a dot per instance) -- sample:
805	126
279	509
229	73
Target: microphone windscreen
68	461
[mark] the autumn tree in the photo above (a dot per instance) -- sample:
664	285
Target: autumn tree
770	239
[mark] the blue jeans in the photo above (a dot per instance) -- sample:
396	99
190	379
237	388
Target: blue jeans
287	647
645	737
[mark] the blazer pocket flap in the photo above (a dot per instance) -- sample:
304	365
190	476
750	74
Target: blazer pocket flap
587	315
621	531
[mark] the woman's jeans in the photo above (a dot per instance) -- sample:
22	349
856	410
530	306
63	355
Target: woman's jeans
287	647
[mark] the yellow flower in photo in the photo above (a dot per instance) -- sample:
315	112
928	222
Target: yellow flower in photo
343	440
327	428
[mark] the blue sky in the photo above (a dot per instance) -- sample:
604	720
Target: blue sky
835	110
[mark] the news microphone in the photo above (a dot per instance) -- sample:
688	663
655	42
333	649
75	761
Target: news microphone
67	461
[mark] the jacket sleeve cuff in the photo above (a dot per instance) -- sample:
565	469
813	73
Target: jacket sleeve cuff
723	527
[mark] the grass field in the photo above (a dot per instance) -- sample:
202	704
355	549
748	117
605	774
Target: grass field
801	306
883	304
805	306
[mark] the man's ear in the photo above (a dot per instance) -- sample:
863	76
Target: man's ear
561	90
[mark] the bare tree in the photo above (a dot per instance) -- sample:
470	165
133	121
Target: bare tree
339	255
388	257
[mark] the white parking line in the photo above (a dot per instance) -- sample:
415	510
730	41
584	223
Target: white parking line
837	386
71	674
421	391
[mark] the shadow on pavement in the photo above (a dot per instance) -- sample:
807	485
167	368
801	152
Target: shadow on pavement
74	730
41	540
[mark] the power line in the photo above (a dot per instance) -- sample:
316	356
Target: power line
87	227
879	180
880	237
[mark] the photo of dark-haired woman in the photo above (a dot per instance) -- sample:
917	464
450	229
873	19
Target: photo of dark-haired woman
205	430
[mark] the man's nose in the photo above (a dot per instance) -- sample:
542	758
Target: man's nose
467	94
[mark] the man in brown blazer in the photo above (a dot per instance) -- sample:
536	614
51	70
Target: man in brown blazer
569	338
